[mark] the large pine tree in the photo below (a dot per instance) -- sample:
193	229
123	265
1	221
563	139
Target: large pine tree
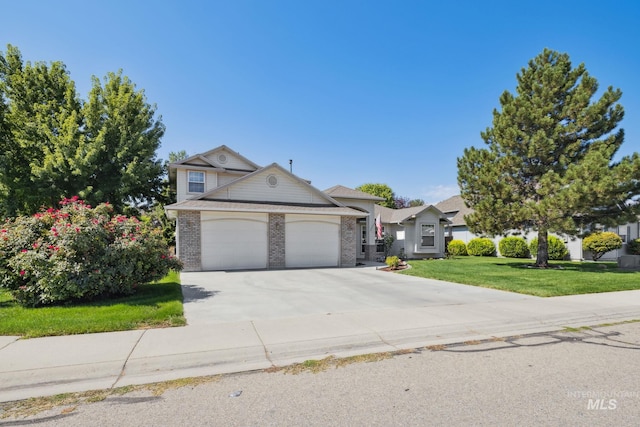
549	163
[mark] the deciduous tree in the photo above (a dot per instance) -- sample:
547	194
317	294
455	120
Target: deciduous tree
549	161
43	150
405	202
380	190
52	144
124	136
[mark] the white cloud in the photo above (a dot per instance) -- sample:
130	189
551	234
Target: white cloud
437	193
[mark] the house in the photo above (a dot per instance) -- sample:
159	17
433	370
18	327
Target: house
455	209
418	232
234	214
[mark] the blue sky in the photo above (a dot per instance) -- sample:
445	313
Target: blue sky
353	91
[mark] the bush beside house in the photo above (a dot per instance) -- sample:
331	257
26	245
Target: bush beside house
557	249
600	243
513	247
481	246
78	253
457	248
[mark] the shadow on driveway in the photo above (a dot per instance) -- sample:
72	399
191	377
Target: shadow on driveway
192	293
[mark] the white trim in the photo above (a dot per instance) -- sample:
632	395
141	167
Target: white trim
189	181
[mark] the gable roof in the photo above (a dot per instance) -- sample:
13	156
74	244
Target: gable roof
455	208
218	199
218	192
394	216
203	159
349	193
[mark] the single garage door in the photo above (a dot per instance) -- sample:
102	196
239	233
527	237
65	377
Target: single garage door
234	241
312	241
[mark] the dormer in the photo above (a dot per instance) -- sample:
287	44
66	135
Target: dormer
204	172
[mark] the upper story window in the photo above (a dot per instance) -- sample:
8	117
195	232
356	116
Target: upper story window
195	181
428	235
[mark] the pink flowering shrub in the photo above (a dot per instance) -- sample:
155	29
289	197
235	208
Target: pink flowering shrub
79	253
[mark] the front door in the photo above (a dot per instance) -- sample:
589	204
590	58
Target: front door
362	247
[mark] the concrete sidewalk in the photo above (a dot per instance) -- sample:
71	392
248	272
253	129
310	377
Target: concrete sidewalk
52	365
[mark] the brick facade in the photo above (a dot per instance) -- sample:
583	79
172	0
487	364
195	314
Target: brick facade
190	243
189	240
371	253
348	241
276	241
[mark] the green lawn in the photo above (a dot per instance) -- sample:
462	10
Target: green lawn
514	275
154	305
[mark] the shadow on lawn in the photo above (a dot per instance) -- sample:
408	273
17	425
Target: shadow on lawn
148	294
583	267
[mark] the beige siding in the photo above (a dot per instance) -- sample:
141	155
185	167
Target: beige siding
287	190
224	179
210	182
232	161
181	185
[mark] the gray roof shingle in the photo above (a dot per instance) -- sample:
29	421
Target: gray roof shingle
455	205
350	193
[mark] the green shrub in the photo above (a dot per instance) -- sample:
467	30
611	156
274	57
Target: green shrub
457	248
513	247
79	253
392	262
481	246
600	243
634	247
388	240
556	248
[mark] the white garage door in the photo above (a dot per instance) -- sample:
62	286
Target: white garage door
312	241
234	241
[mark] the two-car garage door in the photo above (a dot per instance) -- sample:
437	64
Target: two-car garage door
236	240
312	241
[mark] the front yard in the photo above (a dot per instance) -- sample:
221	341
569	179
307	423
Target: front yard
514	275
153	305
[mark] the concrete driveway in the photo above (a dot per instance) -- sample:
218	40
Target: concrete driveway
220	297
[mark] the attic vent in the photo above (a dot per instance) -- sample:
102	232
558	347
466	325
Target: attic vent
272	180
222	158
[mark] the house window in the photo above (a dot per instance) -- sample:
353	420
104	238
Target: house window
196	182
428	235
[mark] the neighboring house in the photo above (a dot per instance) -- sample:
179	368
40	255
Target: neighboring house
419	232
233	214
455	209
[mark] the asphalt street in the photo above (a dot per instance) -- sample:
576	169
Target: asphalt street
581	377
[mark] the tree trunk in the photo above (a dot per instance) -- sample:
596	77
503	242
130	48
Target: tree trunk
542	257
